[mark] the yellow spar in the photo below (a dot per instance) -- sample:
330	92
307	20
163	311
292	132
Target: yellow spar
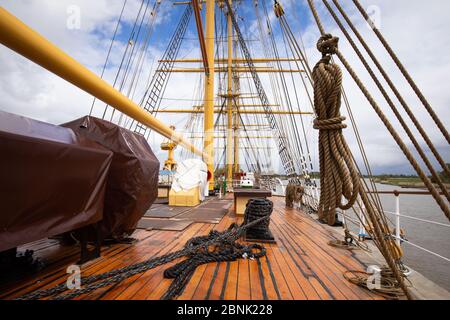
20	38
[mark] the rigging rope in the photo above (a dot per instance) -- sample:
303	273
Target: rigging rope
284	151
127	47
444	207
109	51
392	106
394	89
405	73
379	228
339	177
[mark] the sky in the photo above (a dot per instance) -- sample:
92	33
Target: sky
418	33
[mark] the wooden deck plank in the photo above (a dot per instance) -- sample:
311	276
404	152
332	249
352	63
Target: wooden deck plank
256	289
230	291
243	281
301	265
216	287
267	278
56	273
328	268
134	254
280	279
297	266
334	268
142	286
294	287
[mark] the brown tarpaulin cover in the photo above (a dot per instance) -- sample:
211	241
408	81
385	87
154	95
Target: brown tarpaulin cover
132	185
51	182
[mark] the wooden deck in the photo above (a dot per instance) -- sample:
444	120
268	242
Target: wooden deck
300	266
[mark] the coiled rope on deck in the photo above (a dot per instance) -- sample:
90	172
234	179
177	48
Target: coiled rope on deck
204	248
387	286
339	177
217	246
219	252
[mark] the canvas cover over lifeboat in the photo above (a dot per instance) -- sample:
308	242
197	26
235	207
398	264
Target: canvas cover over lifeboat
132	184
51	181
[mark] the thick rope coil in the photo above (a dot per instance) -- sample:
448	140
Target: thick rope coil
193	246
388	288
219	252
327	45
339	176
226	250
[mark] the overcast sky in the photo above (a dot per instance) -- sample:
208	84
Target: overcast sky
416	29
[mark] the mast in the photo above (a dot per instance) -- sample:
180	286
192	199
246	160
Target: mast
237	121
230	146
209	91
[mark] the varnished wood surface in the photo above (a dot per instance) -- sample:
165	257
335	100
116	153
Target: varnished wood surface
301	265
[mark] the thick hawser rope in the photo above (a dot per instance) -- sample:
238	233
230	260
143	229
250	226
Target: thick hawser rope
327	44
391	104
442	204
217	246
339	177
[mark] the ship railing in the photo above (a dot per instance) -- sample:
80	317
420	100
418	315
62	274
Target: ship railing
397	234
311	200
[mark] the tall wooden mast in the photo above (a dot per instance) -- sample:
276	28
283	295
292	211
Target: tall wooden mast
229	164
209	91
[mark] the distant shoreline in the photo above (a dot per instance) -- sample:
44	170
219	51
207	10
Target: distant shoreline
404	182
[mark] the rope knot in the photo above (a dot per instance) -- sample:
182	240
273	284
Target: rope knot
330	124
327	44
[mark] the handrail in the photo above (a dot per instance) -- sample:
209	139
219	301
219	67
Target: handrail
397	236
398	192
419	219
422	248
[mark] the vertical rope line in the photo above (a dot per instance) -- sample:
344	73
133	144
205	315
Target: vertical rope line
385	246
390	103
405	73
109	51
394	89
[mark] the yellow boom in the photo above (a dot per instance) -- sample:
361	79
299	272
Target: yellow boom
20	38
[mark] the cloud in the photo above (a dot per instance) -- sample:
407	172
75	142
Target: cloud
417	32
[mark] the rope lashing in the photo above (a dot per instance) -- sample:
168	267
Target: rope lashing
339	177
220	252
257	209
327	45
